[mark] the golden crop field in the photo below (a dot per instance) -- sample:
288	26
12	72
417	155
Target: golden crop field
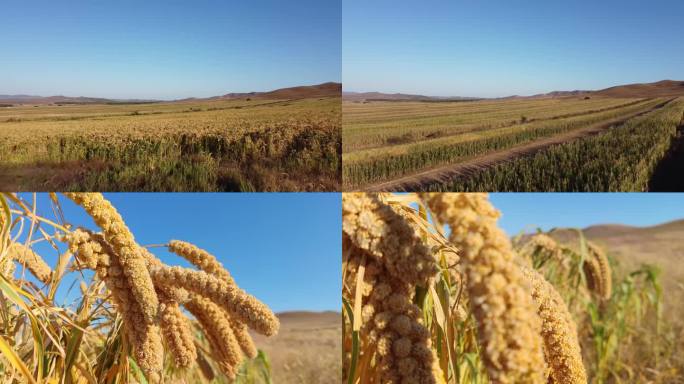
411	145
435	292
221	145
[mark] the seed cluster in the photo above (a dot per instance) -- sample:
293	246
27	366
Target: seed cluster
27	257
128	270
379	243
598	272
561	346
508	325
209	264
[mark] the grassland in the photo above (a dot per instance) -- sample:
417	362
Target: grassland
209	145
423	145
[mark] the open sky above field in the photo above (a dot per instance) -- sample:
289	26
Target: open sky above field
529	211
167	49
285	249
490	49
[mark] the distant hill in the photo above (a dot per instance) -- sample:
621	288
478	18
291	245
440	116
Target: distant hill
661	245
301	92
379	96
29	99
357	96
659	89
662	88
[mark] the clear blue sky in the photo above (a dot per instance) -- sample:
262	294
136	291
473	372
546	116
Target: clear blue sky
166	49
529	211
500	48
285	249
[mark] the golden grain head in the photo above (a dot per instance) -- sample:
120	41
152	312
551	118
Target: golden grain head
238	303
201	259
509	327
219	332
561	346
122	241
31	260
375	227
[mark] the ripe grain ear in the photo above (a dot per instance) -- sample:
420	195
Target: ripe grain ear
35	264
561	346
509	327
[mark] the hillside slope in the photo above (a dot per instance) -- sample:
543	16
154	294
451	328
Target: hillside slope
661	245
659	89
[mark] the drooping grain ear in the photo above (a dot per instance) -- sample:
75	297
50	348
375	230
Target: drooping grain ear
117	234
33	262
94	250
509	327
201	259
377	229
238	303
598	272
217	328
387	261
177	332
561	346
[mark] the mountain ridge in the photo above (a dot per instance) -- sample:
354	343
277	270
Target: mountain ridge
328	89
662	88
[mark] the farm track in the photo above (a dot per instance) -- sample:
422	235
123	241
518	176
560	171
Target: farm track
667	176
418	181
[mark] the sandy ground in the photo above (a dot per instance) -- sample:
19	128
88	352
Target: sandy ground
307	350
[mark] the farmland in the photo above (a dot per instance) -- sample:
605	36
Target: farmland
435	292
423	145
240	144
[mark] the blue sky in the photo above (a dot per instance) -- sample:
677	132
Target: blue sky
500	48
166	49
285	249
528	211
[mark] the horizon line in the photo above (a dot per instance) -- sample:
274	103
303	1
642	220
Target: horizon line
167	99
427	94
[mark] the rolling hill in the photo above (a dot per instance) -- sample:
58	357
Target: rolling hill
659	89
379	96
329	89
664	88
661	245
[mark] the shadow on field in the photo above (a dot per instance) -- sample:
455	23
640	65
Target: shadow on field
669	174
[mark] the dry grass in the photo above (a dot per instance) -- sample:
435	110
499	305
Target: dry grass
307	348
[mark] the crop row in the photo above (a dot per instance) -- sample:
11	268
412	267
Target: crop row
387	126
622	159
366	167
